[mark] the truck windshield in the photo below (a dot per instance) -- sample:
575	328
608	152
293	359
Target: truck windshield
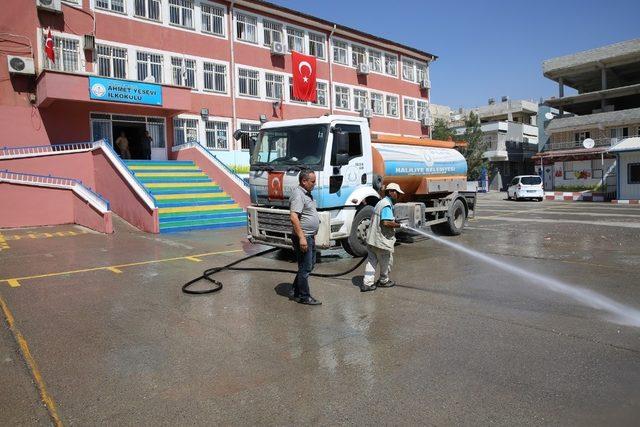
301	146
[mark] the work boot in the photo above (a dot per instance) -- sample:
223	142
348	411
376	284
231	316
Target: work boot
365	288
387	284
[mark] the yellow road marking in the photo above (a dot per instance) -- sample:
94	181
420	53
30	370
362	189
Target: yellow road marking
45	235
194	259
13	283
16	280
3	242
33	366
114	270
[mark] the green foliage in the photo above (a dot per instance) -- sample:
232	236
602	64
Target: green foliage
240	168
441	131
476	146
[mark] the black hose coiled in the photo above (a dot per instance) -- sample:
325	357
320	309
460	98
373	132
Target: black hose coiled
217	285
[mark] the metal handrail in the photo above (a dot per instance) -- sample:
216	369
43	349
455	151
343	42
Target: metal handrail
43	150
126	172
51	181
203	150
563	145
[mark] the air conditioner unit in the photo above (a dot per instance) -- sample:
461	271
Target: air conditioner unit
366	113
363	69
426	121
89	42
49	5
278	48
21	65
425	84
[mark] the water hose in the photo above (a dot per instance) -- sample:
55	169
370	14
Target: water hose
217	285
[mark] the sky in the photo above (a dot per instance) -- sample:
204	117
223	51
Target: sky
486	49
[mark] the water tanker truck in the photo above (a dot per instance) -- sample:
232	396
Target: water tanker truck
352	165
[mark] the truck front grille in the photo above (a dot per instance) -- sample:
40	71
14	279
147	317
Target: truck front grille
274	221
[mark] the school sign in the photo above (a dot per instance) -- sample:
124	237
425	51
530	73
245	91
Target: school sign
130	92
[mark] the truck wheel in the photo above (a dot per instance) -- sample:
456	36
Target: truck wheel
355	244
455	222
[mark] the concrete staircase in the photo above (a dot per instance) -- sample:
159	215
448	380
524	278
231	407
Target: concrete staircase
186	197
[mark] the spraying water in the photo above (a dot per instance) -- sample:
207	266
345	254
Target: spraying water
619	313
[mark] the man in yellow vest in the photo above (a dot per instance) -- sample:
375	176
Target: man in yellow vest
380	240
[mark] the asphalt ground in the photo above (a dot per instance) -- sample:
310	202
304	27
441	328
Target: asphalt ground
100	328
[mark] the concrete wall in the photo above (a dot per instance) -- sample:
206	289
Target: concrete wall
628	191
31	206
582	173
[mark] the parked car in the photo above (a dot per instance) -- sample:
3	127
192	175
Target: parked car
526	187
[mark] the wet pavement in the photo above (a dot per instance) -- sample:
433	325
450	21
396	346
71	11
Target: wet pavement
457	342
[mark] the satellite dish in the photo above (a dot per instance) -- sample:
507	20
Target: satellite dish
150	79
548	115
588	143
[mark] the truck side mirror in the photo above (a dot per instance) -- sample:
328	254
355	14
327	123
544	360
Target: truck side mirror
340	148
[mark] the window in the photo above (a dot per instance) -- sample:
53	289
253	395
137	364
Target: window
633	173
421	73
112	5
375	60
423	109
358	55
295	40
112	61
568	170
217	135
355	140
581	136
212	19
596	168
342	98
272	32
291	97
149	9
377	103
246	28
619	133
390	64
408	72
273	86
359	99
316	45
149	65
409	109
183	72
185	130
531	180
392	105
321	90
248	81
67	54
250	130
340	52
181	13
215	77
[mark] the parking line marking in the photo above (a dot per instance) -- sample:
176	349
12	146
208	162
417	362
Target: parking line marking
194	259
120	266
114	270
31	363
13	283
44	235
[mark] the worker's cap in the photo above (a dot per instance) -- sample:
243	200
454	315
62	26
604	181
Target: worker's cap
393	186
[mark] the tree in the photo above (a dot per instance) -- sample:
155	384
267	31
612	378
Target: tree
441	131
476	146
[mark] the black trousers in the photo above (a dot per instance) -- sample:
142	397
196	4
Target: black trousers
306	261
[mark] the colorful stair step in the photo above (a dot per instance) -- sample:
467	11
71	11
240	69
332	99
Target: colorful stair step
187	199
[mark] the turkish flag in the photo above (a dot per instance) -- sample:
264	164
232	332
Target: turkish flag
304	77
276	185
48	47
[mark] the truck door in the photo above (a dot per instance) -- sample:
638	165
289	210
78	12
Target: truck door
343	180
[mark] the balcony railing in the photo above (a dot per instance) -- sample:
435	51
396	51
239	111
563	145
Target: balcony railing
569	145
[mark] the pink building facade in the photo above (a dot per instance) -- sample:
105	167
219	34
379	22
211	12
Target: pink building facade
213	63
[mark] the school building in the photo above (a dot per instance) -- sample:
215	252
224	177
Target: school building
188	72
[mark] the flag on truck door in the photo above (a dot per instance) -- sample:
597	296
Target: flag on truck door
276	185
304	77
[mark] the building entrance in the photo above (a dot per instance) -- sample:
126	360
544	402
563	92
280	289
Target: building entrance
111	126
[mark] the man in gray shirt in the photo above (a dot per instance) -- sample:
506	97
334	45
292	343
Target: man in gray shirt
305	222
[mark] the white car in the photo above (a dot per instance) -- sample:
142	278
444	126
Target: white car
526	187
